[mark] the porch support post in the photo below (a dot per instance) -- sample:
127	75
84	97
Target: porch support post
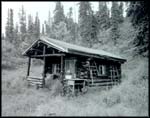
29	64
120	74
62	67
44	59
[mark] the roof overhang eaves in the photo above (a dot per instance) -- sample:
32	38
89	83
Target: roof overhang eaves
54	45
24	53
97	56
46	43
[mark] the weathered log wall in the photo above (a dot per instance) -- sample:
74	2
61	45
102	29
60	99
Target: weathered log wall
112	71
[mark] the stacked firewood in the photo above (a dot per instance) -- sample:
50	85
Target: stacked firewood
83	71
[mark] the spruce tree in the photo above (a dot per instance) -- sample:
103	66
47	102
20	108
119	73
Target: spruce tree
69	14
103	16
58	13
10	27
70	25
37	27
60	31
48	29
94	30
22	19
115	18
138	12
30	25
59	26
16	35
30	30
49	19
7	28
85	20
43	30
48	25
121	19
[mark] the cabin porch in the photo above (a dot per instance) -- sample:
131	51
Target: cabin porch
52	64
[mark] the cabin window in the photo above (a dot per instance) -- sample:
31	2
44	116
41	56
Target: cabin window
102	69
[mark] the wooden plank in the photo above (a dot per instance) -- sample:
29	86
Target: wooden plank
99	80
95	82
34	80
38	78
29	80
101	85
105	83
33	84
36	50
48	55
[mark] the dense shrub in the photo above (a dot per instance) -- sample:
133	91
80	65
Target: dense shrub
10	57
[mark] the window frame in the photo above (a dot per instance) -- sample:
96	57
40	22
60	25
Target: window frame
101	70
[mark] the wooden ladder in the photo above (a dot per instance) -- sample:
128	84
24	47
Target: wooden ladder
93	70
96	68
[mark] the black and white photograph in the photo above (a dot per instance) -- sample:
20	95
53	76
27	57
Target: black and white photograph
74	58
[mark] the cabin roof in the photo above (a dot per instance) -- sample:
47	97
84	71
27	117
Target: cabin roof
68	48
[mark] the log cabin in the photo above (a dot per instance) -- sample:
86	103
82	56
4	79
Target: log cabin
98	67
